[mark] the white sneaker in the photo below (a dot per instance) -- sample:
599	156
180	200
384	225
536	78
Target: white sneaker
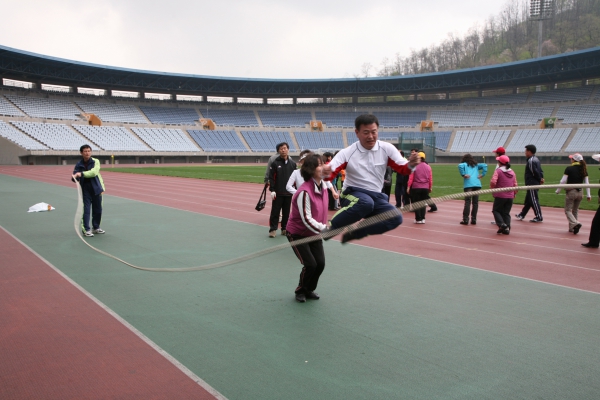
88	233
99	230
421	222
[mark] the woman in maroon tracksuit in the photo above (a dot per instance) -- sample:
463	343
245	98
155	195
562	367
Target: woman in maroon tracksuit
309	218
503	201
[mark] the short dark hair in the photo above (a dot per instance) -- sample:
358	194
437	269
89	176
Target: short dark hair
365	119
281	144
311	162
415	150
531	148
85	146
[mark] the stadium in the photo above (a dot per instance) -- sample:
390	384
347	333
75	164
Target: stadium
187	296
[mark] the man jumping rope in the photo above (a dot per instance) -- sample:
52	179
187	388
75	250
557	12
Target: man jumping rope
365	162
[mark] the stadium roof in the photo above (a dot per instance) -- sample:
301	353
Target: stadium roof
25	66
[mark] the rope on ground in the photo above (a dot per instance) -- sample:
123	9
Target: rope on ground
326	235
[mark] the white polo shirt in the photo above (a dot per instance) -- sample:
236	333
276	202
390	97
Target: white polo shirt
365	169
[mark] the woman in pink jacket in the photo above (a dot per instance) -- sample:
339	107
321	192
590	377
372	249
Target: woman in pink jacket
503	201
420	184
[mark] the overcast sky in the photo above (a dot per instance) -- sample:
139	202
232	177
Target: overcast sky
309	39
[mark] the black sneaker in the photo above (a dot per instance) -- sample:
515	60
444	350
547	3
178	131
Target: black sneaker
576	229
312	296
346	237
464	222
536	219
506	231
589	245
501	229
473	222
519	217
301	297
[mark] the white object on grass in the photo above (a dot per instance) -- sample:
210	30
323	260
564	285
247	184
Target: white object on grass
39	207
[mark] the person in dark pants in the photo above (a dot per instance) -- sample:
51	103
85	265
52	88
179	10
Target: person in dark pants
533	176
594	240
279	174
387	182
420	184
87	173
503	201
472	172
402	197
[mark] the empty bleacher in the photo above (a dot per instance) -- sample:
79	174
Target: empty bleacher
519	116
244	118
496	100
7	108
479	141
340	119
400	119
459	118
38	107
218	141
170	115
579	93
161	139
586	114
112	138
585	140
285	119
114	112
267	141
319	140
19	138
545	140
442	138
55	136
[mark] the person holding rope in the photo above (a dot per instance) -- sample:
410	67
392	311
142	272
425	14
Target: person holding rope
365	162
87	173
309	218
576	173
533	176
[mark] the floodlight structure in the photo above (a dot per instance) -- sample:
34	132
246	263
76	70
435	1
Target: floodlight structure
540	10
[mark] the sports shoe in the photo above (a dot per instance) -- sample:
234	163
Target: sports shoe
519	217
473	222
300	297
272	234
98	231
589	245
464	222
421	221
88	233
493	222
346	237
312	296
283	232
536	219
430	210
506	231
576	229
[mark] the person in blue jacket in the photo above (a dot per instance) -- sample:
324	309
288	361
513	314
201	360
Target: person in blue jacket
87	173
471	172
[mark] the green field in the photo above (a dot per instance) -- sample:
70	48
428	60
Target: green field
446	179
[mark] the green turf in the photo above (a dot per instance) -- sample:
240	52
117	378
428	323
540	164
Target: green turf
387	326
446	179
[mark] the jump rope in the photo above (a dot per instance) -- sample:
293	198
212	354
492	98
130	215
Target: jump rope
325	235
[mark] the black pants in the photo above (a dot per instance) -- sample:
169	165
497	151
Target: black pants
467	209
402	198
501	210
418	195
92	204
280	204
387	190
312	257
532	201
595	230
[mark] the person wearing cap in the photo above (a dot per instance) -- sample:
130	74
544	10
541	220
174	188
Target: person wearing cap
503	201
279	173
533	176
365	162
420	184
500	151
472	172
594	239
576	173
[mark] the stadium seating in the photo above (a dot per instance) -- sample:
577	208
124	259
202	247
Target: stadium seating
170	115
7	108
320	140
545	140
114	112
19	138
161	139
285	119
112	138
55	136
479	141
38	107
496	100
341	119
519	116
400	119
584	140
459	118
231	117
586	114
219	141
580	93
442	138
267	141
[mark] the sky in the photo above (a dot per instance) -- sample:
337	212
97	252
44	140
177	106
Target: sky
309	39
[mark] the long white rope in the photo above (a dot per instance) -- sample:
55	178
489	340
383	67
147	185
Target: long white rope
326	235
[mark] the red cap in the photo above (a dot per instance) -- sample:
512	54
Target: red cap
500	150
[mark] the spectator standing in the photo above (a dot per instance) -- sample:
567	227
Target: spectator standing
296	179
279	174
87	173
500	151
533	176
576	173
472	172
387	182
309	218
402	197
420	185
503	201
594	239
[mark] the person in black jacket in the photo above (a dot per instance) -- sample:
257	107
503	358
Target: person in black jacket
279	174
533	176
